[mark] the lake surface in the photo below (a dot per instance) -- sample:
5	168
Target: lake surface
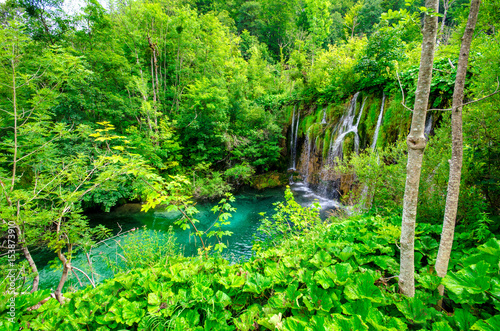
244	224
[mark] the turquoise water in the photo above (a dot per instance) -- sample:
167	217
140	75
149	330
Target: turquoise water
244	223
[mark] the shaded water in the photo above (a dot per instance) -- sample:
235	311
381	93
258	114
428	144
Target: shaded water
244	223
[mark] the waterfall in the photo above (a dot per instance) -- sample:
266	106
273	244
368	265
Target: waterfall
308	156
323	121
428	126
347	126
356	136
329	184
379	122
293	139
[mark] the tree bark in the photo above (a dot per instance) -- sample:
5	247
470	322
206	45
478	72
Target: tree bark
450	213
29	258
64	276
416	144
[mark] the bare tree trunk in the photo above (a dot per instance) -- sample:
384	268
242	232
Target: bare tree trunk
64	276
29	258
14	105
155	83
450	213
416	144
20	237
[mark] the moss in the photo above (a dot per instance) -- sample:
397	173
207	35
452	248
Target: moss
289	113
319	114
309	121
269	180
326	143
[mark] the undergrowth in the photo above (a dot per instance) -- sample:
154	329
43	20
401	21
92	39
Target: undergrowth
335	275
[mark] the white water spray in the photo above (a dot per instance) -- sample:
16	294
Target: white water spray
379	123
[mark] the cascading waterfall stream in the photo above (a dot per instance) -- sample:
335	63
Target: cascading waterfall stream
323	121
428	126
328	186
293	139
308	155
365	197
379	123
347	126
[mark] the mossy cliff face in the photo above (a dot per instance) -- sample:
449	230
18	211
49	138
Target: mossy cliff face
319	135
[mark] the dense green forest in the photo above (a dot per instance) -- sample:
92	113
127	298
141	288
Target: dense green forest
172	102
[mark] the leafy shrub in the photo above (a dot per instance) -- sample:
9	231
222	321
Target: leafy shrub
211	187
240	173
143	248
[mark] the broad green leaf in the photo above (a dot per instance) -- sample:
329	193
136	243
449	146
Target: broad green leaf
441	326
491	324
414	310
463	319
346	253
341	322
364	288
154	299
321	259
469	281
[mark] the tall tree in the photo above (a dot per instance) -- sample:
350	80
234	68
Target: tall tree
450	213
416	144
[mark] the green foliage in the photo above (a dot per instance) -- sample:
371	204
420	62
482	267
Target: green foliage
377	65
375	187
142	249
290	218
241	173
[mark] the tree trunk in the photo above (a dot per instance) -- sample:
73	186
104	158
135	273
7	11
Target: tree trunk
450	213
416	145
66	270
29	258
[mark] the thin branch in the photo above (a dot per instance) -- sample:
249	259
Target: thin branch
85	274
473	101
117	235
5	192
78	278
196	115
8	112
451	63
402	94
38	149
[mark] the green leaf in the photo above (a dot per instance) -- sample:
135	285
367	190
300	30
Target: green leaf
441	326
414	310
257	283
293	324
321	259
469	281
491	324
463	319
346	253
223	298
348	323
364	288
154	299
